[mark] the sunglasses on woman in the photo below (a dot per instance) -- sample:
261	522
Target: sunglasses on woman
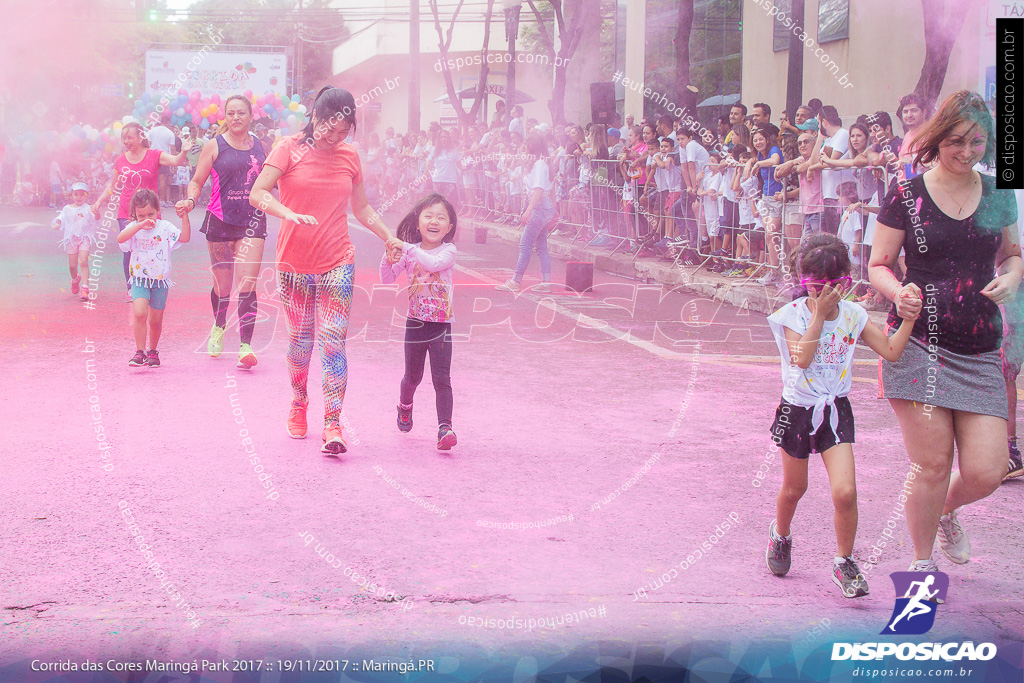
808	282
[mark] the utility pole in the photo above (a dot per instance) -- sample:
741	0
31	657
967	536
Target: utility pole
298	52
795	82
414	76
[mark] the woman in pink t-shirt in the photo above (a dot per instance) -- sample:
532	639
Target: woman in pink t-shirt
137	169
317	174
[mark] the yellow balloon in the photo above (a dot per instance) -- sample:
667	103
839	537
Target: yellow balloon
118	125
293	106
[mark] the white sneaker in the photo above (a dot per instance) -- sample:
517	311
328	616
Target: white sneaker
924	566
509	286
953	540
768	278
542	287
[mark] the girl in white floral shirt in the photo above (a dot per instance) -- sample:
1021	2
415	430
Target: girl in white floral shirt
150	241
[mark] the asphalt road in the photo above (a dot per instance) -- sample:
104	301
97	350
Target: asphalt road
642	413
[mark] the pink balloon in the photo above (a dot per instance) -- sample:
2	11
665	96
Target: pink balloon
196	118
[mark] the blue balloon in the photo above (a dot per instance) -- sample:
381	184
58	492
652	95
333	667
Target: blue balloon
295	98
204	124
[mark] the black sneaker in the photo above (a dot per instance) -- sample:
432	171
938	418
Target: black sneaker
153	359
445	438
138	360
404	418
847	576
1016	467
779	555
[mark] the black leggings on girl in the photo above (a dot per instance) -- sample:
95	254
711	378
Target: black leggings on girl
422	338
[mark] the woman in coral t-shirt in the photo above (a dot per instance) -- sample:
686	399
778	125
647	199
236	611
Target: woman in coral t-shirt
317	174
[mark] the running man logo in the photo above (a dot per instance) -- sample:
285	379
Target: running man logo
914	612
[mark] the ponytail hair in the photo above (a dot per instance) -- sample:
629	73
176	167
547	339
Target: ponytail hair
241	98
138	127
331	103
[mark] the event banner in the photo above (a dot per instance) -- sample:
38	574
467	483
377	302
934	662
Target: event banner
215	72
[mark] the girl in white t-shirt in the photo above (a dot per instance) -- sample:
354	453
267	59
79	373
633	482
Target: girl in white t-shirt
150	241
817	336
851	225
79	226
537	217
709	186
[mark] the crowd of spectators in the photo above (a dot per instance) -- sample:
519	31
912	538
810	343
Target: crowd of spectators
737	197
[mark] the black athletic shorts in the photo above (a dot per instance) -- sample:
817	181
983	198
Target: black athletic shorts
792	428
217	230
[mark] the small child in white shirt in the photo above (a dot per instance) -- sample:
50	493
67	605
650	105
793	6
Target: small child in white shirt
710	187
79	225
851	225
150	241
669	178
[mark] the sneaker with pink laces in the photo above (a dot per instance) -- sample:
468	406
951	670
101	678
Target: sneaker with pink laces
334	439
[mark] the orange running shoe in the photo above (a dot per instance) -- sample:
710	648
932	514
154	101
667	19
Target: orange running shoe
297	420
334	439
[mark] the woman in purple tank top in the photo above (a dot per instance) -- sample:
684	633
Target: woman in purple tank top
235	231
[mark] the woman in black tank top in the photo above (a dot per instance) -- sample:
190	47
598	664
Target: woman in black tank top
235	231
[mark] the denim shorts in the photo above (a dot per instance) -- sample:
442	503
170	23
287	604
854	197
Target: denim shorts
157	296
812	224
772	207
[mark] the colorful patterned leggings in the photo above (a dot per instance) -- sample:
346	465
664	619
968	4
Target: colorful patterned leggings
318	302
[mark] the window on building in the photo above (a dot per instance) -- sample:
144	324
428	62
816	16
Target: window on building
781	34
833	20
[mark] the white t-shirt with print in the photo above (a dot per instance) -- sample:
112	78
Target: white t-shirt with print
748	190
710	181
830	374
727	176
77	221
831	180
850	224
668	179
151	254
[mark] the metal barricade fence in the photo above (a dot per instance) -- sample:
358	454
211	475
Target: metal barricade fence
613	210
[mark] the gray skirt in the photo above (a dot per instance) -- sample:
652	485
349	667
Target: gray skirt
972	384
